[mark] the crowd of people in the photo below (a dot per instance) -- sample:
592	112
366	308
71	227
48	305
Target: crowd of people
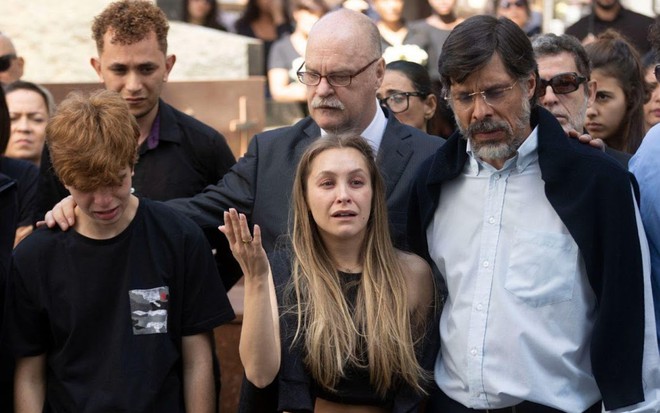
475	231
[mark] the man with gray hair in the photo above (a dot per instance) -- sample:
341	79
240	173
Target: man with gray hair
548	295
566	88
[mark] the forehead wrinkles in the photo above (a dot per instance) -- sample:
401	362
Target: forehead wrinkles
335	51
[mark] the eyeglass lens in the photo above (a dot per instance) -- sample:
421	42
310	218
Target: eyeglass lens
561	84
397	102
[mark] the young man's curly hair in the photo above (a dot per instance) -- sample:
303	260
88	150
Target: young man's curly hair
131	21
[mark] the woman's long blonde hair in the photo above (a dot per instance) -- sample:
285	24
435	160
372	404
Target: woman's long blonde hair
380	333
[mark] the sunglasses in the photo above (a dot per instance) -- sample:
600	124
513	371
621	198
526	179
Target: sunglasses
562	83
506	4
5	61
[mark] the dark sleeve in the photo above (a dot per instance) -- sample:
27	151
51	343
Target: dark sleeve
27	194
27	321
416	233
235	190
50	190
206	304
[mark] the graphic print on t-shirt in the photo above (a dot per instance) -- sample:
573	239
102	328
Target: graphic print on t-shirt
149	310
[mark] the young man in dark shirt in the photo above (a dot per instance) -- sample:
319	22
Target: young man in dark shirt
118	314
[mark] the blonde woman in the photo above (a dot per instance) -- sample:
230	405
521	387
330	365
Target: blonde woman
348	311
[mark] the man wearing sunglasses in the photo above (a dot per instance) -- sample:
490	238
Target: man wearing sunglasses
565	87
11	65
538	243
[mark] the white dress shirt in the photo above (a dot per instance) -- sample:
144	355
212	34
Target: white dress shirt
520	309
374	132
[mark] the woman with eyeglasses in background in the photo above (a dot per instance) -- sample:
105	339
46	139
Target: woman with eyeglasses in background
407	92
616	115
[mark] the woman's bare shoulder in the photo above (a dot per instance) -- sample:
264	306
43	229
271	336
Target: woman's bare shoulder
418	276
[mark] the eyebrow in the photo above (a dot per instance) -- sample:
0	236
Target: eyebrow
330	172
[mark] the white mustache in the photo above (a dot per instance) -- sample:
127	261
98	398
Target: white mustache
318	102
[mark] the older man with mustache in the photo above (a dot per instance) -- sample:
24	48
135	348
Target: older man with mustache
548	305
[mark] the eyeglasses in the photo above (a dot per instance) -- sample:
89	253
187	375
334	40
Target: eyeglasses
5	61
341	80
506	4
657	73
562	83
399	102
492	97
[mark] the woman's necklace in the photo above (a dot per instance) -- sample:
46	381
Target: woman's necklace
356	269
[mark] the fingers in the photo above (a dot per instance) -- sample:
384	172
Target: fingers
246	238
236	228
62	214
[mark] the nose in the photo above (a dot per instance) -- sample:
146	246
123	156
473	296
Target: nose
21	124
481	109
592	111
549	98
102	196
324	88
655	95
133	82
343	194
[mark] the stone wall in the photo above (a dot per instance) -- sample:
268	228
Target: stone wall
54	37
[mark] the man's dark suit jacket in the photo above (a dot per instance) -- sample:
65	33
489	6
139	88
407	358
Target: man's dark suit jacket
260	183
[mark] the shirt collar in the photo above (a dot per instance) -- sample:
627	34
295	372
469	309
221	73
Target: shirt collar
525	155
154	134
374	132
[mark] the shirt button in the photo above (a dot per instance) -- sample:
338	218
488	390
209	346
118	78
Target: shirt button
480	307
485	264
491	220
473	351
497	177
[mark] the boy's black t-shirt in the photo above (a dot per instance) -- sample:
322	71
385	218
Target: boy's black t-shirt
110	314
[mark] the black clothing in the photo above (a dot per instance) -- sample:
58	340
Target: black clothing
634	26
110	314
8	220
622	157
26	176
